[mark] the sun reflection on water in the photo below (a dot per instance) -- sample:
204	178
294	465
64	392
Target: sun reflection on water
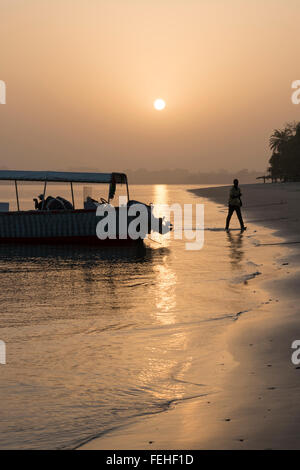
165	359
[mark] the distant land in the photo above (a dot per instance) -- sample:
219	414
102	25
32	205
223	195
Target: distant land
170	176
183	176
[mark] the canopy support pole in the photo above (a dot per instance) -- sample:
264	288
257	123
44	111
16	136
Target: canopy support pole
127	189
17	195
73	202
45	186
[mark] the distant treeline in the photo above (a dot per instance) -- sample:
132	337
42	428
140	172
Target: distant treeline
285	159
182	176
167	176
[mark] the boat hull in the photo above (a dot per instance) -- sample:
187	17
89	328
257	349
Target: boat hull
56	227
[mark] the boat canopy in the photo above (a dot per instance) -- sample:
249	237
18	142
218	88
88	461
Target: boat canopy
62	176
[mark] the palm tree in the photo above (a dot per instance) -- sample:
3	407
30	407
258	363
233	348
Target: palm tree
285	146
279	138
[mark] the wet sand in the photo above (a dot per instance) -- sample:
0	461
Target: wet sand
255	405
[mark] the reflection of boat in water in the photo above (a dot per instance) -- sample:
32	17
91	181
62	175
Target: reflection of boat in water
55	220
79	254
73	252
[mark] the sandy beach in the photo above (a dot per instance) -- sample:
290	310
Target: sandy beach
257	386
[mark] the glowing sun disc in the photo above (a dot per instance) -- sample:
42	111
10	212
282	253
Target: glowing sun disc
159	104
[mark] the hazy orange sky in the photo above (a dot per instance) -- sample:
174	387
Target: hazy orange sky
82	75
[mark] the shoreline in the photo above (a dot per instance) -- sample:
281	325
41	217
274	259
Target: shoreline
270	205
256	405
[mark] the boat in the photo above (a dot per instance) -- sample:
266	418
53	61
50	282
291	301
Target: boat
56	220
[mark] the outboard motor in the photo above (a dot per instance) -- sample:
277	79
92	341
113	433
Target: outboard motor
164	226
156	224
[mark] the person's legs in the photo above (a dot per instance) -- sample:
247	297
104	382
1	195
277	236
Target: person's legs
239	215
230	212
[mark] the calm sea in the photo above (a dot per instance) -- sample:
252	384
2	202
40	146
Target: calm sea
98	337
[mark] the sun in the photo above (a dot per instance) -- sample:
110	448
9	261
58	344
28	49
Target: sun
159	104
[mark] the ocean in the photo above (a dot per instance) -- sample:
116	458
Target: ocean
96	338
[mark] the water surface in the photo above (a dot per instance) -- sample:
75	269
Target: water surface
98	337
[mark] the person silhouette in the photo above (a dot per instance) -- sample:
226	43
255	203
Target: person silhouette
234	205
39	205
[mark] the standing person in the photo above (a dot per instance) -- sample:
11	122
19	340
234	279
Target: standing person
235	204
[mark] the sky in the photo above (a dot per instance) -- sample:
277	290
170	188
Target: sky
82	75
